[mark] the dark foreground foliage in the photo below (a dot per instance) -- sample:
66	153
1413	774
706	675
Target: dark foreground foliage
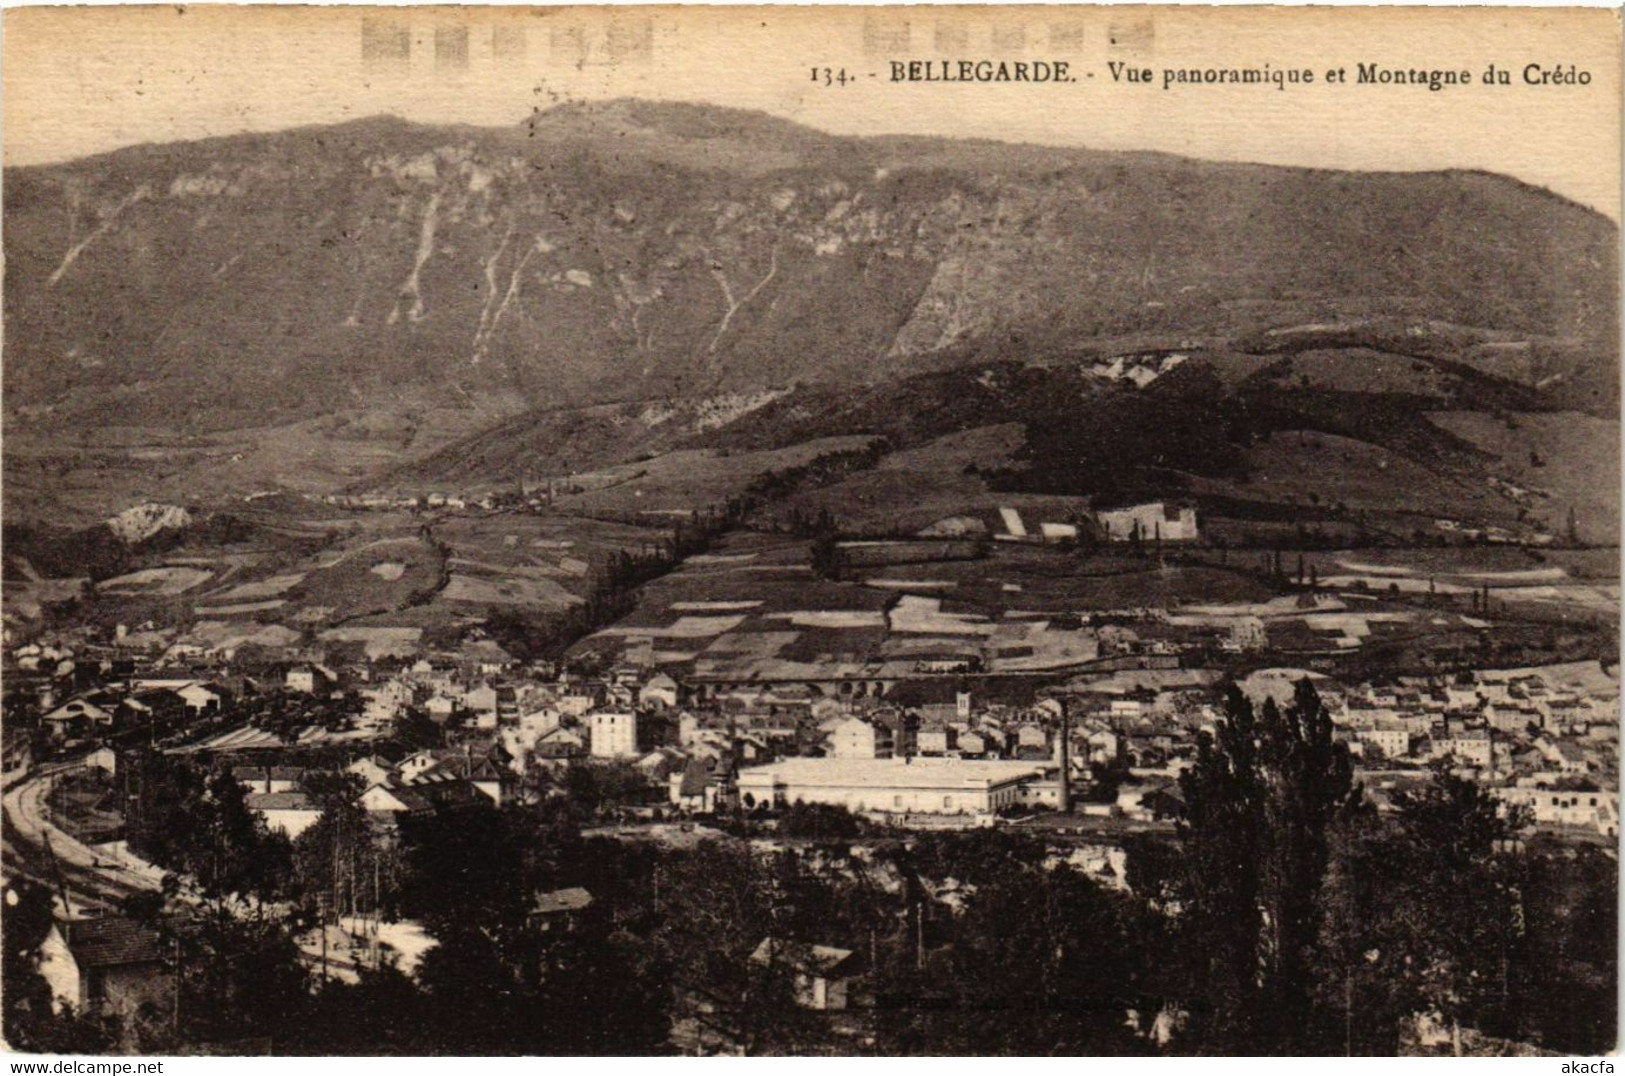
1286	916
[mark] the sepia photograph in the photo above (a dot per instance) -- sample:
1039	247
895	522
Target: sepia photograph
810	531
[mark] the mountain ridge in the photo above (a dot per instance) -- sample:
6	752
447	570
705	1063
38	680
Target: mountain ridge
391	123
653	250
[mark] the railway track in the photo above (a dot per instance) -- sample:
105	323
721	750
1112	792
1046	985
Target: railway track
36	848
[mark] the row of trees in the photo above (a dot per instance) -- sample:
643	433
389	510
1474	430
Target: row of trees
194	822
1314	925
614	589
613	594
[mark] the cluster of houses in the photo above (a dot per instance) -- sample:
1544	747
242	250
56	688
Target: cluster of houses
529	495
138	700
1138	370
421	783
932	754
922	747
1151	522
927	751
1549	747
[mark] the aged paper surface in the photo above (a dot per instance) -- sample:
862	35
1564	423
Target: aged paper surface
872	530
79	81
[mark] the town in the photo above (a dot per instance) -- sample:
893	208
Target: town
775	575
700	723
909	748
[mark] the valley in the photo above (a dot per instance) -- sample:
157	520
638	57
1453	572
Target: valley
495	544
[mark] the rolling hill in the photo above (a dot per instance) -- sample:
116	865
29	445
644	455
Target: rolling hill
382	301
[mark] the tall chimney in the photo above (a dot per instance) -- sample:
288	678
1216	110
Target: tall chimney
1064	805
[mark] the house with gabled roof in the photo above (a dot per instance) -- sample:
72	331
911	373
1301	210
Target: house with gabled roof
77	714
109	965
201	698
695	788
484	767
481	699
289	813
821	972
446	793
659	691
559	743
558	909
383	799
373	770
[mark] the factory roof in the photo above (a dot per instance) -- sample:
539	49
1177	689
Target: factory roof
894	772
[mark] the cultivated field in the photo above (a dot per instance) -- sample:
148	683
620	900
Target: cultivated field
1565	459
689	481
1321	470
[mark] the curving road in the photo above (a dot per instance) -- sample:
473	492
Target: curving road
95	880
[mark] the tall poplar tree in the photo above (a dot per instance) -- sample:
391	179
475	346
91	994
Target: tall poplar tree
1259	800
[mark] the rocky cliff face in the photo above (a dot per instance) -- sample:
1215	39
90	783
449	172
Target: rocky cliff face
141	522
635	251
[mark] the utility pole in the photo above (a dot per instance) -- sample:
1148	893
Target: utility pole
919	934
1348	1013
56	873
1064	801
175	1010
321	905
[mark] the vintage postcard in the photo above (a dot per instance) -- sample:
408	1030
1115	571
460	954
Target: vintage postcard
811	531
